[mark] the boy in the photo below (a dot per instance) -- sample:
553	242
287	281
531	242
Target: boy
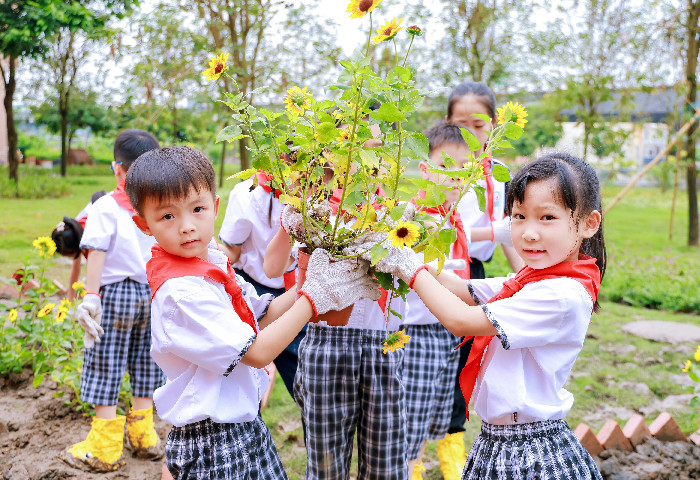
115	312
205	328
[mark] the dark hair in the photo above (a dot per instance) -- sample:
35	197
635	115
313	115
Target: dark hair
443	134
579	189
131	144
168	173
479	90
67	237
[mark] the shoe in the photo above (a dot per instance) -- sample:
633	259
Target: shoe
418	470
102	449
141	437
451	454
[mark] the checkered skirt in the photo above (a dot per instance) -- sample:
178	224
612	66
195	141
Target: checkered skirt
546	450
223	451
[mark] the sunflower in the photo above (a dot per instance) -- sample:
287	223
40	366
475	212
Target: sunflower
217	66
414	30
77	286
688	364
45	310
395	341
388	31
297	100
367	218
358	8
512	112
45	245
12	316
404	234
65	304
61	315
697	354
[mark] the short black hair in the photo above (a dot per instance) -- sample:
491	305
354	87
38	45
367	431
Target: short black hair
131	144
444	133
168	172
479	90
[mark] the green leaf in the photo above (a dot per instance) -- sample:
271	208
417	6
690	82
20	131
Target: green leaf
482	116
418	143
395	313
504	144
693	377
404	74
480	197
230	134
500	173
347	65
398	211
447	160
420	182
354	197
448	236
472	141
377	253
512	131
38	378
244	175
388	112
386	280
369	158
434	196
326	132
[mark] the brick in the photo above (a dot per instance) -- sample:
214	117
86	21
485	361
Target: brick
29	285
695	438
666	429
62	291
588	439
612	438
9	291
636	430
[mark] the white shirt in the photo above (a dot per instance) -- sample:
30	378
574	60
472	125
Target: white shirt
472	216
250	224
198	342
110	229
541	332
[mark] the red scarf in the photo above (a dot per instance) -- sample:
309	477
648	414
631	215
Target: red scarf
490	189
120	196
583	270
264	181
163	266
460	248
334	201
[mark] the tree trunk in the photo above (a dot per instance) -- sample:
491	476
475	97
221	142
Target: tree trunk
243	153
63	112
691	67
13	158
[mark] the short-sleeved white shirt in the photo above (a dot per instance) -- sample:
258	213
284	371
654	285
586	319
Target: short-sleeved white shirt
251	221
541	332
472	216
110	229
198	341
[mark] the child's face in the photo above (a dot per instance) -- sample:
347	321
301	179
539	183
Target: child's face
457	152
544	230
462	112
183	227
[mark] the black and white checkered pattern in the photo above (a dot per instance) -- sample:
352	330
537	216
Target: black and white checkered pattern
223	451
429	369
546	450
125	346
345	383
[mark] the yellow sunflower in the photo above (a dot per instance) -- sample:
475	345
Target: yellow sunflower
697	354
395	341
65	304
688	364
512	112
45	245
358	8
45	310
297	100
404	234
77	286
217	66
388	31
367	218
61	315
12	316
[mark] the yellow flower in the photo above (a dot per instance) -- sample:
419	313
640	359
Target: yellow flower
389	203
77	286
61	315
388	31
414	30
12	316
697	354
512	112
217	66
404	234
395	341
688	364
65	304
297	100
45	245
358	8
45	310
367	218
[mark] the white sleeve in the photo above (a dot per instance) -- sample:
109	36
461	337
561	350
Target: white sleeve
100	228
237	224
483	289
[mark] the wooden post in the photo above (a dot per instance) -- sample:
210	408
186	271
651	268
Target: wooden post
675	192
651	164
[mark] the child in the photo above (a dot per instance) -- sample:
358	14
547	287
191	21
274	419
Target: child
205	332
117	308
532	325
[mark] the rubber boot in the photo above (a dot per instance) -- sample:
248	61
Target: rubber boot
102	449
450	452
418	470
141	437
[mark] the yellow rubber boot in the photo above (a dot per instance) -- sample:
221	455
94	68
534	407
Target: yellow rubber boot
418	470
102	449
141	436
450	452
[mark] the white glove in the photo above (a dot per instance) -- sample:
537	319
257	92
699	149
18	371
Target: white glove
293	223
400	262
89	315
339	284
501	232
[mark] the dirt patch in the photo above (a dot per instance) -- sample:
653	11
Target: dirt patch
653	460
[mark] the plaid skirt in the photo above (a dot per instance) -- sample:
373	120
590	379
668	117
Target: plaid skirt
546	450
223	451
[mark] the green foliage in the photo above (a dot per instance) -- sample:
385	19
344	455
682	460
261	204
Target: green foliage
85	112
42	185
542	128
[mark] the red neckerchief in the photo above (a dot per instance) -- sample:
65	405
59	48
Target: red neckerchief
334	201
583	270
163	266
490	189
264	181
122	199
460	248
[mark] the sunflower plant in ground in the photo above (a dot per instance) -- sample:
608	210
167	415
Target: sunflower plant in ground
350	149
692	368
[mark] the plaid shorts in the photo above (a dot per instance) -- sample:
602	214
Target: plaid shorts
546	450
429	370
345	383
223	451
125	346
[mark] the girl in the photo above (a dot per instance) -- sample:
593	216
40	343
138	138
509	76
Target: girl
531	325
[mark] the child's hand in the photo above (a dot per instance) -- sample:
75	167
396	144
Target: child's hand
89	315
501	232
334	285
400	262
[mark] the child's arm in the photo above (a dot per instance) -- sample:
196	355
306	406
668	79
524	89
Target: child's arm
278	306
278	255
74	276
233	252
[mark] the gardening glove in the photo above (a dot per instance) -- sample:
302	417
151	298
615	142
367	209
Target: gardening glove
89	315
335	285
501	232
409	213
293	223
400	262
